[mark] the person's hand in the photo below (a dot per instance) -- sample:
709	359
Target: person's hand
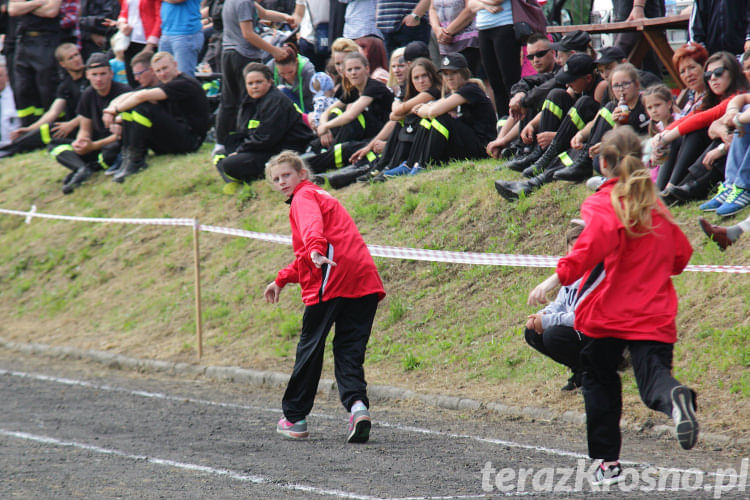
109	23
99	40
493	148
594	150
318	260
617	114
577	141
538	295
326	140
444	36
124	27
712	156
63	129
515	106
411	21
82	145
278	53
527	134
108	117
116	129
291	21
18	133
636	13
272	293
544	139
535	323
360	153
322	129
657	142
378	146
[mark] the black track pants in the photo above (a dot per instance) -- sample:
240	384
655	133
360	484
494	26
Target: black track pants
561	343
35	75
150	125
353	319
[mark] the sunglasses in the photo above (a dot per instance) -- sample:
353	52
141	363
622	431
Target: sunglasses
717	73
139	73
539	54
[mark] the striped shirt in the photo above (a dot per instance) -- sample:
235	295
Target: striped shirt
390	13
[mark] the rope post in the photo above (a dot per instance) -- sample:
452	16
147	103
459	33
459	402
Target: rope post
198	315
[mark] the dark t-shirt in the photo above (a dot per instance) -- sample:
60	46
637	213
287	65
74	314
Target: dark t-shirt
186	102
92	104
638	118
382	99
478	113
71	91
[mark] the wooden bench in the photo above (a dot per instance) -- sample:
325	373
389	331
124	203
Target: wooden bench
653	38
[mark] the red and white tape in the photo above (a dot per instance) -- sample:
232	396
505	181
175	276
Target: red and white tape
474	258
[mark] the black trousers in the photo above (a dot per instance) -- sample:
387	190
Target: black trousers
353	319
561	343
602	388
34	139
148	125
35	75
335	157
682	153
499	51
560	113
445	138
232	91
62	151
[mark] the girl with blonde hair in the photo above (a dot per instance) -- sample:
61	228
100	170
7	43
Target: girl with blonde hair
631	234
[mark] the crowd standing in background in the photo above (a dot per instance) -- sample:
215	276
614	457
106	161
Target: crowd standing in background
345	91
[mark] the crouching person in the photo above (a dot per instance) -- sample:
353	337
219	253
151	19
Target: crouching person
94	147
551	332
268	122
171	118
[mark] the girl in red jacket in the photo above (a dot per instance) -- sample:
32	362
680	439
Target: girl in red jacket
631	232
340	284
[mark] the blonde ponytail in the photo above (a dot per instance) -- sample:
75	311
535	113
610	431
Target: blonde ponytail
634	195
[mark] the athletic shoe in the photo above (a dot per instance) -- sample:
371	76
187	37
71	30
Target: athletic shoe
359	427
402	169
607	475
230	188
296	430
737	200
594	182
715	202
218	150
683	414
574	382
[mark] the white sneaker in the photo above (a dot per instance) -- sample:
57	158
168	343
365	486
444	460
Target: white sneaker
218	150
594	182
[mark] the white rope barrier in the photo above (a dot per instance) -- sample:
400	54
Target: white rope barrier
473	258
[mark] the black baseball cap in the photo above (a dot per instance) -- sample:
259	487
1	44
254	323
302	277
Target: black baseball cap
414	50
454	61
577	40
97	60
578	65
610	54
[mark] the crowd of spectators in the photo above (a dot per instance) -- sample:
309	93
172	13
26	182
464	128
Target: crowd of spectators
370	90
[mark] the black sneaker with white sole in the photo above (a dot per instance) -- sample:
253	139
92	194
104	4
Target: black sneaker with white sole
683	414
607	475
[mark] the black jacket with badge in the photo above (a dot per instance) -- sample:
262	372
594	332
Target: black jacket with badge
271	123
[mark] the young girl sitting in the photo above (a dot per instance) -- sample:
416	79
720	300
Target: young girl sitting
340	284
633	234
659	104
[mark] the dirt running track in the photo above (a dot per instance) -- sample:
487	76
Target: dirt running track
77	430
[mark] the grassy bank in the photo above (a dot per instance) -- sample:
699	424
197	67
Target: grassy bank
450	328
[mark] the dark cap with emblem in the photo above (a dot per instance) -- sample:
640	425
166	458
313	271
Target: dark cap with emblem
577	65
610	54
454	61
577	40
414	50
97	60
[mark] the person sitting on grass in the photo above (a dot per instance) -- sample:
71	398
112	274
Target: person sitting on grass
340	284
268	122
551	332
457	126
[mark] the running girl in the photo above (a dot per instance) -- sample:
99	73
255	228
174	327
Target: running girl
631	232
340	284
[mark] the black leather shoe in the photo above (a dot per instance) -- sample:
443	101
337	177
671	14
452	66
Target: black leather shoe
511	190
692	189
522	162
82	175
577	172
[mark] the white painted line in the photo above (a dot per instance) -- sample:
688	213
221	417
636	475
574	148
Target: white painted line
399	427
238	476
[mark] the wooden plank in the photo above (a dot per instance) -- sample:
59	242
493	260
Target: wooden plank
654	23
658	41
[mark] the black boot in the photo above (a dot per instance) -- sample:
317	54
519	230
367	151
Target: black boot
581	169
124	157
511	190
522	162
81	176
692	188
136	162
543	162
348	175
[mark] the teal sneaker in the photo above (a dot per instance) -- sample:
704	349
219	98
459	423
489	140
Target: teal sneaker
292	430
359	427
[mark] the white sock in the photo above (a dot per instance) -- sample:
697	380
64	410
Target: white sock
358	406
745	225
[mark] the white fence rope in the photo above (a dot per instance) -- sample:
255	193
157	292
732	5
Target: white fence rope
473	258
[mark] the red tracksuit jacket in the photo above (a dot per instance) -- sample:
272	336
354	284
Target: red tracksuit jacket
635	300
319	222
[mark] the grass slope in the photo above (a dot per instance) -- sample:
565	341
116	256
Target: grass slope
455	329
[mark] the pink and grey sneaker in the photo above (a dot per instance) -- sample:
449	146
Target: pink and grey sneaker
296	430
359	427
